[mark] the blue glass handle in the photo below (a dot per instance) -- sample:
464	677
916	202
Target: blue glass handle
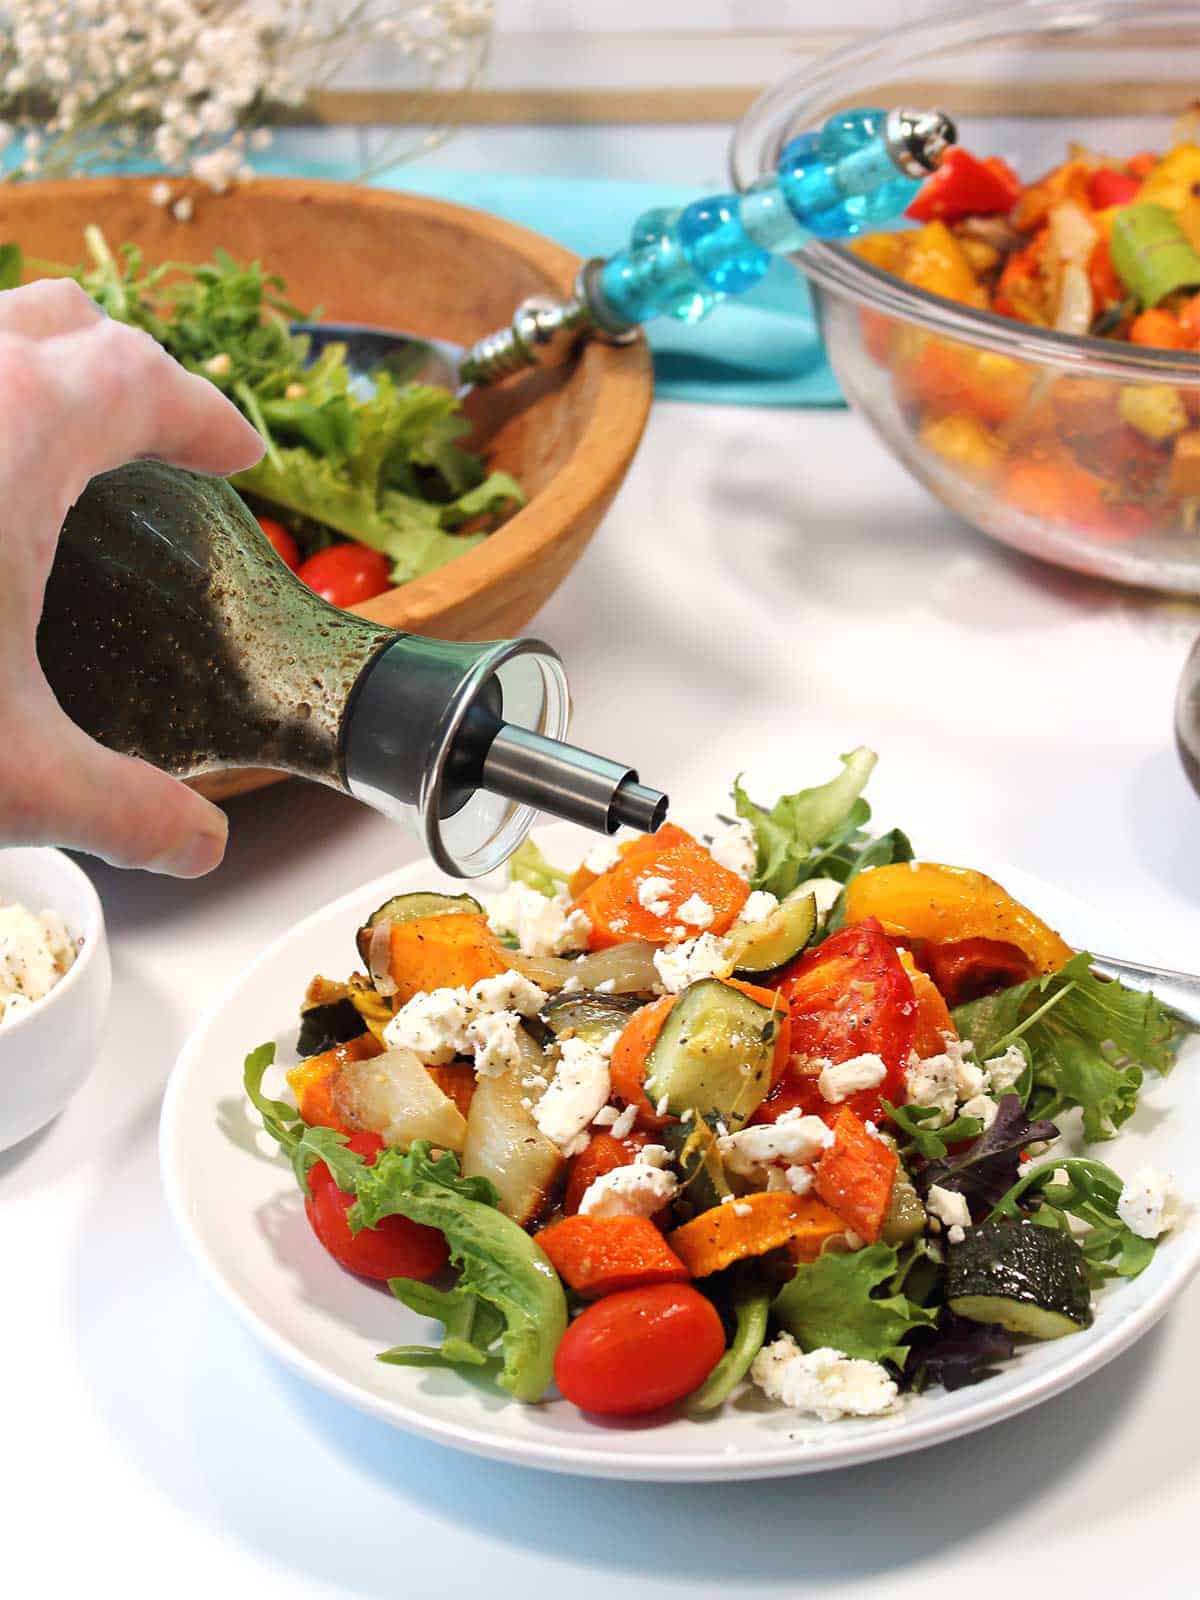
861	169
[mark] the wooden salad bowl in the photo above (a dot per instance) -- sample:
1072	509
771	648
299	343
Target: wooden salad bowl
404	261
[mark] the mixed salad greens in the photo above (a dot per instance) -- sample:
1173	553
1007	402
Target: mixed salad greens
1098	245
790	1106
383	466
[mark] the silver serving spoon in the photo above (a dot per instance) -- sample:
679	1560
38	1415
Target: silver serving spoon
1180	991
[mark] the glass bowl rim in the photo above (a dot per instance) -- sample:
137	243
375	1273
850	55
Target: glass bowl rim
806	96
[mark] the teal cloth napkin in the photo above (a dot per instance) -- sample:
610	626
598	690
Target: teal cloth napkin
760	349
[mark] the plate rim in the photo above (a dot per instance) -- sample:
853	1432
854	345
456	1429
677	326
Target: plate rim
791	1459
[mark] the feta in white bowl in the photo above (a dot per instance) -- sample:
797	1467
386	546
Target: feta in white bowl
55	981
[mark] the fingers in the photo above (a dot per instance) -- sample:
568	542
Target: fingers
130	399
47	308
68	790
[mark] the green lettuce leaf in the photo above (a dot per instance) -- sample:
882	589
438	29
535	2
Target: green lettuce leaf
472	1327
801	835
281	1120
1090	1040
832	1301
499	1264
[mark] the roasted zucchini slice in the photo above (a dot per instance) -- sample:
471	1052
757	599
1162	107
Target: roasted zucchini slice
713	1054
588	1014
1029	1279
777	938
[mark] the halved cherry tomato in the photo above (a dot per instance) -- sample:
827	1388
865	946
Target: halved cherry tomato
967	969
638	1350
397	1248
281	541
346	574
849	997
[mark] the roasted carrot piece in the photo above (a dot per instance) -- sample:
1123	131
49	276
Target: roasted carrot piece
447	952
933	1014
1159	329
686	872
314	1079
854	1177
601	1255
753	1225
628	1065
457	1080
603	1153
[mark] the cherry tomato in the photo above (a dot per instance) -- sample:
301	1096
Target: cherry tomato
345	574
967	969
638	1350
849	997
397	1248
281	541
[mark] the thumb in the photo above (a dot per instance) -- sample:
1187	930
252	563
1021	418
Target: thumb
112	806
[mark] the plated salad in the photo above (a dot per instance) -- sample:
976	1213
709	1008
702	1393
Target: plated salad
785	1107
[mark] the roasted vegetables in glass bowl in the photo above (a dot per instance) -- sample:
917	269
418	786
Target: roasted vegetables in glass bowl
1024	342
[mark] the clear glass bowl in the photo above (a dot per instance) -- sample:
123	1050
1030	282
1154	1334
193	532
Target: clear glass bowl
1020	81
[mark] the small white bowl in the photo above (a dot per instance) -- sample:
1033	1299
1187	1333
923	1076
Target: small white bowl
46	1054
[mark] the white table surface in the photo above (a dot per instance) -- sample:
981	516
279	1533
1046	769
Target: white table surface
768	591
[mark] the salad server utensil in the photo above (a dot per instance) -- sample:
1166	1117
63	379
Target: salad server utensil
1178	990
860	169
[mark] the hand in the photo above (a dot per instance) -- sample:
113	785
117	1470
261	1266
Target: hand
79	395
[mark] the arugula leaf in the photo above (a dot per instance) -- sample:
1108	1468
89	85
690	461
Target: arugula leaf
932	1143
1091	1192
499	1264
472	1326
802	831
1089	1039
281	1120
989	1165
831	1301
528	865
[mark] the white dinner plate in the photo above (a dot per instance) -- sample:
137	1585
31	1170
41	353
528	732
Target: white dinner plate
241	1214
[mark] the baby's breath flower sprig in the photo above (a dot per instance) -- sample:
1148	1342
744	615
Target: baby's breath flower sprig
195	85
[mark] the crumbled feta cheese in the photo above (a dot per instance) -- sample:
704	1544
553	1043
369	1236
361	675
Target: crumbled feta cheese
758	906
931	1082
823	1382
495	1037
981	1106
741	1209
736	849
609	1043
637	1190
605	1117
578	1089
543	925
603	856
434	1026
655	1155
511	991
35	951
948	1206
706	956
664	1101
798	1179
571	986
652	894
1003	1071
695	912
623	1126
1147	1205
956	1234
838	1081
607	986
794	1139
